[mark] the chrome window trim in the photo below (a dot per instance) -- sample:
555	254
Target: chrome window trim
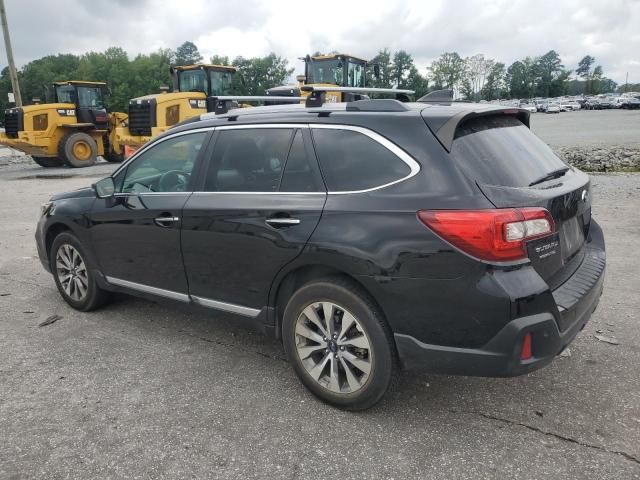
227	307
392	147
200	194
152	194
181	297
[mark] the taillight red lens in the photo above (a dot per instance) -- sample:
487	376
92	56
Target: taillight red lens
526	352
492	235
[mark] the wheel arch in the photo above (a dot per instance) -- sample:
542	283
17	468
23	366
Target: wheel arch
292	280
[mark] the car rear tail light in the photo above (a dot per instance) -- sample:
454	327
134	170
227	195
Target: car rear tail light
526	353
492	235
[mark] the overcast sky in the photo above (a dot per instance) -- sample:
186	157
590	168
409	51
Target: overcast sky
502	29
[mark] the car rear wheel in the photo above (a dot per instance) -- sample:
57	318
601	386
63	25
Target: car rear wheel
339	344
78	149
48	162
74	274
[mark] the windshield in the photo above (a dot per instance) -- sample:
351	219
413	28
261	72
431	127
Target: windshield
220	82
327	71
500	150
356	75
193	81
66	94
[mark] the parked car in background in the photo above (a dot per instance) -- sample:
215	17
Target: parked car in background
529	107
553	107
630	103
569	106
365	243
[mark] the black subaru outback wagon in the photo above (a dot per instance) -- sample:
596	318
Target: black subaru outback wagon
367	236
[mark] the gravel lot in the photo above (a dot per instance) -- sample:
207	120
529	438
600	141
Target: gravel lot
149	390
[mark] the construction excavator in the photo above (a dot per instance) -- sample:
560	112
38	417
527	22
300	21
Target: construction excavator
73	129
153	114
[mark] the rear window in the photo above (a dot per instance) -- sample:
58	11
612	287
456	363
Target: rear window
352	161
500	150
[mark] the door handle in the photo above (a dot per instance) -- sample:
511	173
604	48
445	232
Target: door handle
166	221
282	221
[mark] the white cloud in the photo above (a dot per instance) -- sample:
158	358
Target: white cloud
502	29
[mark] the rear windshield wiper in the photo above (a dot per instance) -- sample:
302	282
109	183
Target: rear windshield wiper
550	176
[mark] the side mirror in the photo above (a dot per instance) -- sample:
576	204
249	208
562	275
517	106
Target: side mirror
105	188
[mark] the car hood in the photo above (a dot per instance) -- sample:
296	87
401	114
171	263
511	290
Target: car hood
80	193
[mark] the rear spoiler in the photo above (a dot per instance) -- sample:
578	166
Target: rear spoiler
445	130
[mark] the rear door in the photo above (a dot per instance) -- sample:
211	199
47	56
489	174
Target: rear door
259	202
514	168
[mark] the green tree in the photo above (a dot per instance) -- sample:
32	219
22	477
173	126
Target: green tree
401	69
547	67
446	71
187	54
259	74
220	60
584	66
383	61
494	86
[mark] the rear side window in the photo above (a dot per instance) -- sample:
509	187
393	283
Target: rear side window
248	160
500	150
352	161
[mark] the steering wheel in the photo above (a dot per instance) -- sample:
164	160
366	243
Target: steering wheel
173	181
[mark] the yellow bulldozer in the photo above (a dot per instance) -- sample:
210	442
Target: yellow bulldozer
73	130
153	114
337	69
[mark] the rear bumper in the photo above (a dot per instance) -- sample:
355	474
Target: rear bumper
552	331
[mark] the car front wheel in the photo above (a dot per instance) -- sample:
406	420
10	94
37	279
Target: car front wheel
339	343
73	274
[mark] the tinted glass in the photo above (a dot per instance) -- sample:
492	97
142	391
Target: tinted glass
327	71
298	175
193	81
500	150
248	160
165	167
352	161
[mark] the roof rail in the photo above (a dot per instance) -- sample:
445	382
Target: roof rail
317	94
440	97
223	103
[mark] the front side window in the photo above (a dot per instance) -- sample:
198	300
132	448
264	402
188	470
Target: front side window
165	167
352	161
90	97
248	160
193	81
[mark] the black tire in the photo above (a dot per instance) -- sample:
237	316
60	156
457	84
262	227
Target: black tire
114	157
48	162
72	144
95	296
383	359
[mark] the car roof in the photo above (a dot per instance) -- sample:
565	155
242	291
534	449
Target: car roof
442	119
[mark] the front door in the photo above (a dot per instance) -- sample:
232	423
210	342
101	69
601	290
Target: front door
136	233
258	204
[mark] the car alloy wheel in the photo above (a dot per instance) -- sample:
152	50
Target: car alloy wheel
333	347
72	272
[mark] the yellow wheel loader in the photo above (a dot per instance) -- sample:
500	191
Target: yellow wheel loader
151	115
73	130
337	69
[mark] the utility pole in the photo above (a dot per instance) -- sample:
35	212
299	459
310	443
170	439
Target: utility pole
12	66
626	82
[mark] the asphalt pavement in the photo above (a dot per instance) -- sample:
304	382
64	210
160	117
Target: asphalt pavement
142	389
